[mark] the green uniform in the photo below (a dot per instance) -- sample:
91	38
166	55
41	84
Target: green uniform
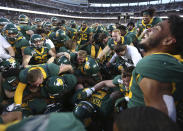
56	41
100	100
71	33
132	35
119	83
92	50
23	29
54	28
49	122
35	27
19	44
141	25
74	62
84	35
47	70
39	56
64	49
124	40
61	84
161	67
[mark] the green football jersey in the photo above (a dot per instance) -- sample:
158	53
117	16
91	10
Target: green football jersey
161	67
141	25
124	40
49	122
23	29
84	35
46	69
39	56
19	44
71	33
100	100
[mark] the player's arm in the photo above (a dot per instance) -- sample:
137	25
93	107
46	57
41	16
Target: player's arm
53	56
26	60
19	93
154	92
30	32
65	68
104	52
106	83
11	51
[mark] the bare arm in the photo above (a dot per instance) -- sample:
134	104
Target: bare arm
30	32
53	56
106	83
153	93
65	68
11	116
11	51
26	60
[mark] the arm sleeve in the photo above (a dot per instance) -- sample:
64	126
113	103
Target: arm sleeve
19	93
50	43
113	58
53	69
4	42
134	54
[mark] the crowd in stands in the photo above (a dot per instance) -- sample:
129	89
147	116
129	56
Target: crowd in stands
33	4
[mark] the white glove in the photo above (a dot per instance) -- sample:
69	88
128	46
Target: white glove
89	91
12	107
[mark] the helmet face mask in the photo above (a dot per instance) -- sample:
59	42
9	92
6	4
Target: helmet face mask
47	26
60	36
23	19
11	32
54	21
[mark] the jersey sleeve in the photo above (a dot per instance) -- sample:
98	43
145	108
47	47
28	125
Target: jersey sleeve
27	51
53	69
24	43
111	44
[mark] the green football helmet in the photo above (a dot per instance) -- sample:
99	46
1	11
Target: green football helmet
61	36
47	26
53	19
62	60
37	41
72	24
10	83
3	22
37	20
23	19
110	28
10	32
91	67
84	112
59	85
99	29
8	64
